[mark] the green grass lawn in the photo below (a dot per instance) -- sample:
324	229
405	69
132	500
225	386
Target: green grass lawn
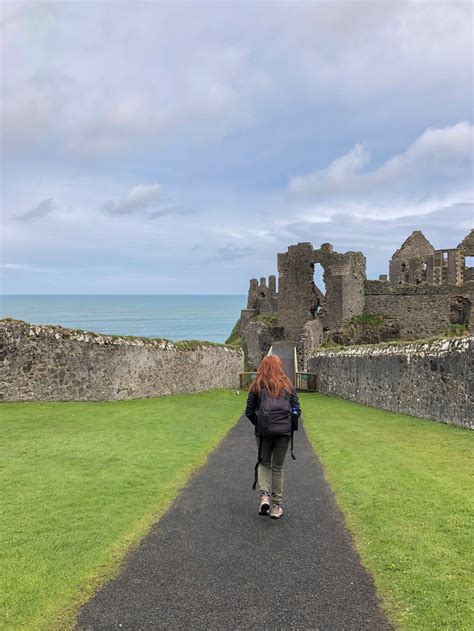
82	483
406	488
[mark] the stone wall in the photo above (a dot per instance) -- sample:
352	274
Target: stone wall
299	300
311	338
421	311
344	277
258	339
44	363
432	380
370	331
297	294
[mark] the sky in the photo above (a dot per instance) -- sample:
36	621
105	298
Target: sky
176	148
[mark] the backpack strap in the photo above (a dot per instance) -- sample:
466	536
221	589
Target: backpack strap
259	459
291	446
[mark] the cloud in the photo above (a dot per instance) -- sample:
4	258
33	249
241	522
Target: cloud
222	104
378	239
40	210
211	95
449	222
229	252
26	116
198	72
139	198
210	70
437	164
171	210
22	267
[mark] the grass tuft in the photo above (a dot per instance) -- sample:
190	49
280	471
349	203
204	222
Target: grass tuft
369	318
270	319
192	345
457	330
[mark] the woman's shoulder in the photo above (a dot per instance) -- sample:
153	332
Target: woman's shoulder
253	394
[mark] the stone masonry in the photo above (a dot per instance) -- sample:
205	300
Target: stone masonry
426	292
43	363
300	300
433	380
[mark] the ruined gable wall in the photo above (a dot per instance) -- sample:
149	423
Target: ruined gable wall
467	244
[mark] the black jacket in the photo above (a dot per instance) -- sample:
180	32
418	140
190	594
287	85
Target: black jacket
253	402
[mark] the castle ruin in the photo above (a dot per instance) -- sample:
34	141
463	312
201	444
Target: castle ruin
426	292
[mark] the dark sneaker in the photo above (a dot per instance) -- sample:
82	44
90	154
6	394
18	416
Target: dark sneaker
264	504
276	511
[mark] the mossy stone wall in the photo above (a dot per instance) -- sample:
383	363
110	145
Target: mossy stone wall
432	380
46	363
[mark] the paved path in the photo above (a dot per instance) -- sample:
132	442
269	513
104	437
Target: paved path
286	352
212	563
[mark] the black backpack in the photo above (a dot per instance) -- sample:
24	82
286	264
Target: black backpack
274	414
274	418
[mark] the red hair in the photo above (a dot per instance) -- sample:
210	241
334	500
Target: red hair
270	376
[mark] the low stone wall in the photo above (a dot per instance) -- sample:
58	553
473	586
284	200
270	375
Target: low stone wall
431	380
43	363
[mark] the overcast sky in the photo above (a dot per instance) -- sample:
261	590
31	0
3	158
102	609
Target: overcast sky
177	147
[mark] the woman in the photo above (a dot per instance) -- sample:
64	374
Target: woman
272	384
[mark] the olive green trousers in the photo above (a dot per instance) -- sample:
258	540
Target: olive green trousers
270	469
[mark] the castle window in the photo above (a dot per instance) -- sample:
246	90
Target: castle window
318	277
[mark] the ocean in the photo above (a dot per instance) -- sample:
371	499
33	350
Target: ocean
171	317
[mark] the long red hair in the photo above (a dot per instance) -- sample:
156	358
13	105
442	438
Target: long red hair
270	376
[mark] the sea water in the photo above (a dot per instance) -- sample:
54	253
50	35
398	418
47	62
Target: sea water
203	317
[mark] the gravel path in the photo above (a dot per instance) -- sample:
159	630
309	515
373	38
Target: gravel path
213	563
